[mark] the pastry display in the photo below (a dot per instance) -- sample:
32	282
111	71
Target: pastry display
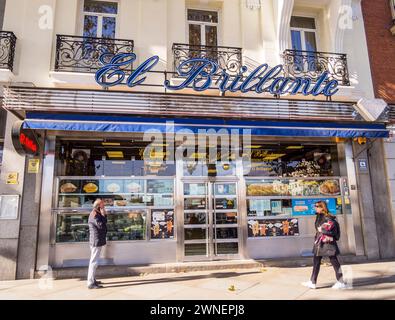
133	187
90	187
113	187
120	203
330	187
68	187
260	189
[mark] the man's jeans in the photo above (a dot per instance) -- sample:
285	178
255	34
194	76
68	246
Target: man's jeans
93	263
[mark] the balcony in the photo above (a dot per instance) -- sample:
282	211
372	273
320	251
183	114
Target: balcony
228	58
313	64
7	55
81	54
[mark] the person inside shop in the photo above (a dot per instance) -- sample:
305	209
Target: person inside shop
325	245
97	239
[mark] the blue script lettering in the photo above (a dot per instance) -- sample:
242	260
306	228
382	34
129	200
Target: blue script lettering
113	68
199	74
195	70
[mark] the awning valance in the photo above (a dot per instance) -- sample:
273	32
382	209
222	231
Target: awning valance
120	124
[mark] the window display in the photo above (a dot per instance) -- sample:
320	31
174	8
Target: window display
81	193
130	225
285	160
295	197
272	228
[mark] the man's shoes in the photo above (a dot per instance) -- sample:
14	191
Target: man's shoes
339	285
97	282
309	284
94	286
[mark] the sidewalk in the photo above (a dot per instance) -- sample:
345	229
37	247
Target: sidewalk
369	281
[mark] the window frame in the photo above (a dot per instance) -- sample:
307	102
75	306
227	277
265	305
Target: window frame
202	24
304	30
100	16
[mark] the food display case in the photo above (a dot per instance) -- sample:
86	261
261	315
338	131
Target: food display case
289	198
132	205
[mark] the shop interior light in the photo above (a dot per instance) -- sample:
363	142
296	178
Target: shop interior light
196	155
273	156
294	147
160	144
115	154
252	147
111	143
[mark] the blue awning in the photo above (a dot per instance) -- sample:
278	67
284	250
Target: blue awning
119	124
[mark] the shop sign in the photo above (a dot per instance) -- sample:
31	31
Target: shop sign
363	164
201	74
25	141
12	178
305	207
33	166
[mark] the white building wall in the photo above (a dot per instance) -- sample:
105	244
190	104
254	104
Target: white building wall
154	25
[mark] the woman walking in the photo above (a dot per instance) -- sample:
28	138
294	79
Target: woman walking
325	245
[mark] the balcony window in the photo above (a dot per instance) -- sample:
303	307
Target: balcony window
303	36
304	59
203	43
203	31
99	19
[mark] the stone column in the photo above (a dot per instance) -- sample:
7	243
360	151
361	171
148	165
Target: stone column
9	229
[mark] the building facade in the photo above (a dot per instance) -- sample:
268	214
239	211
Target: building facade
379	20
218	157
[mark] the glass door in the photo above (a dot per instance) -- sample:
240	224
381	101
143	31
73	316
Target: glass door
210	220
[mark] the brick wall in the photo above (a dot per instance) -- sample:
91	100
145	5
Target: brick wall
381	44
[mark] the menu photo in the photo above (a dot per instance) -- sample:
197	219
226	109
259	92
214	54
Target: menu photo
260	228
162	224
306	207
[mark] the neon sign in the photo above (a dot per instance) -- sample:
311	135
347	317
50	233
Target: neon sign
24	141
201	74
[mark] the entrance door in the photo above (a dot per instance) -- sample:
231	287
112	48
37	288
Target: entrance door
210	220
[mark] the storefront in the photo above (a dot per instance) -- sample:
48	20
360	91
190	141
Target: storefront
204	205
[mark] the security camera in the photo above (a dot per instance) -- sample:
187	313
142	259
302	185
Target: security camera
372	109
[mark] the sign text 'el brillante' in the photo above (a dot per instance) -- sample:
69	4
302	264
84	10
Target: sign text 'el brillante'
200	74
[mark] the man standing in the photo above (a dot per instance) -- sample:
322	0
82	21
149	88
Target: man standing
97	239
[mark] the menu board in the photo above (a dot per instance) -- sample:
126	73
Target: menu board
160	186
305	207
162	224
259	206
261	228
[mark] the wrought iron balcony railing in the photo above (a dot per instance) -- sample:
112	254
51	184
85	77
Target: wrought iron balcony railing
81	54
312	64
7	50
228	58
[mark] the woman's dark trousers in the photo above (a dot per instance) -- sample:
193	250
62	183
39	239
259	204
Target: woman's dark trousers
317	264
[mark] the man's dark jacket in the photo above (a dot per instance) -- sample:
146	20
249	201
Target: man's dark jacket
97	229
